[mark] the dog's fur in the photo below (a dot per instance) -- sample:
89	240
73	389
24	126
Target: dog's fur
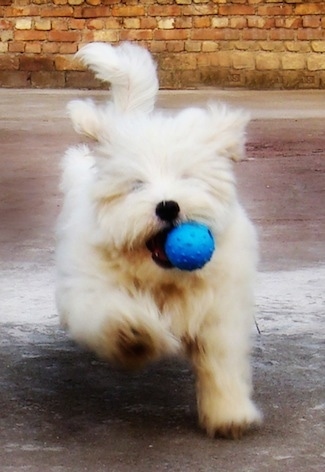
110	294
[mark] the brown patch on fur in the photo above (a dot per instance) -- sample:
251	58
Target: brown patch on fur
135	347
166	294
193	347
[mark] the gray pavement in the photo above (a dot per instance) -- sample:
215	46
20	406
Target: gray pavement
62	410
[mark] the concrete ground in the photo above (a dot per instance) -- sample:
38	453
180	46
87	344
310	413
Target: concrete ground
61	410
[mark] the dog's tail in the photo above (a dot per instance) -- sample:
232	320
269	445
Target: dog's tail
130	70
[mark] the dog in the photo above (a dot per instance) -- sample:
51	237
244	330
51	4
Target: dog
144	172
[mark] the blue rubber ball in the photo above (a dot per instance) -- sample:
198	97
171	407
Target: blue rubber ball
189	246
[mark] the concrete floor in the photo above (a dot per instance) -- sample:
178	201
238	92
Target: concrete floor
61	409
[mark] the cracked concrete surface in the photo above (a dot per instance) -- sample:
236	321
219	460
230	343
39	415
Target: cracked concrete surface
61	409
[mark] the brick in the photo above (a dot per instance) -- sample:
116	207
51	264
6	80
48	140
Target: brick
97	24
106	35
254	34
170	34
16	79
272	46
75	2
77	24
164	10
148	23
193	46
6	35
136	10
33	48
43	25
318	46
310	8
215	34
132	23
50	48
200	10
175	46
68	48
30	35
166	23
47	79
67	62
281	34
183	22
158	46
61	36
315	62
23	24
267	61
35	63
137	35
220	22
209	46
243	60
247	45
57	11
79	79
22	11
112	23
293	61
16	46
275	10
236	10
203	22
308	34
93	12
238	22
59	24
311	21
256	22
95	2
298	46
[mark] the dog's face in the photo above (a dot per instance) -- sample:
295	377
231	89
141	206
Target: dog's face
154	171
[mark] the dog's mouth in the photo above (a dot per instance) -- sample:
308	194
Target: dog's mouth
156	245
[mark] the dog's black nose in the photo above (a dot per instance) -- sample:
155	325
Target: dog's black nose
167	210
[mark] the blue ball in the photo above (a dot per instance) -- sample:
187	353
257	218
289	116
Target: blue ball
189	246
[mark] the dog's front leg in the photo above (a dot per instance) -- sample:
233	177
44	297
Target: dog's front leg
220	356
123	328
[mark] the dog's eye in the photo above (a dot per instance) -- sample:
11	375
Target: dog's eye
137	185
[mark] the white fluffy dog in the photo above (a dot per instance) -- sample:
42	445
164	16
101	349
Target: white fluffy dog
149	170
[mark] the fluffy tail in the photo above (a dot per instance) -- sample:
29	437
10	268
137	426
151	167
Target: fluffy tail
130	70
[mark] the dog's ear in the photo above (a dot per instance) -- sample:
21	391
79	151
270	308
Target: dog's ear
86	118
228	129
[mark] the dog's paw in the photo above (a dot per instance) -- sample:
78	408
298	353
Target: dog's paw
228	423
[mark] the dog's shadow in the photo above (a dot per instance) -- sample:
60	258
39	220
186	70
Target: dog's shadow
66	390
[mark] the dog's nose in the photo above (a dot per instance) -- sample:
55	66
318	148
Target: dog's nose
167	210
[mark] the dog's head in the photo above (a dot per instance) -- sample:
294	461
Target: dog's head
154	171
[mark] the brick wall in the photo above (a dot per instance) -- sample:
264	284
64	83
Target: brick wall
247	43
